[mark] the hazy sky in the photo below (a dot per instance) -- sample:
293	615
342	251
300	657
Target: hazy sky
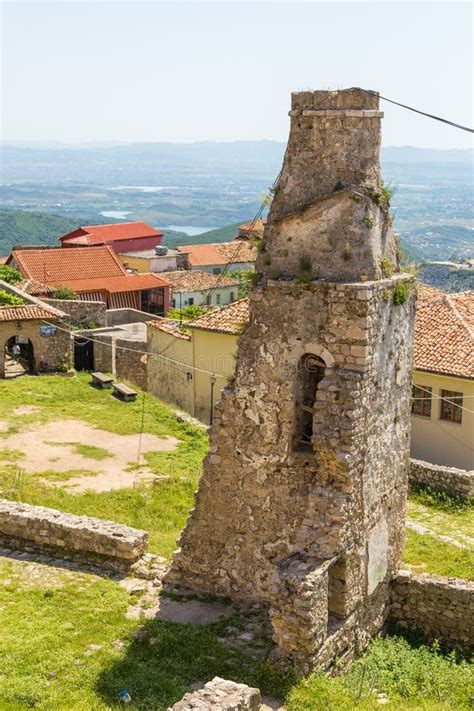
175	71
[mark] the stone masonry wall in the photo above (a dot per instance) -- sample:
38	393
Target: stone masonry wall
457	482
80	312
442	608
220	695
105	543
131	364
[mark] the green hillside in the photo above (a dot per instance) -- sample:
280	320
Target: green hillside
22	227
41	228
221	234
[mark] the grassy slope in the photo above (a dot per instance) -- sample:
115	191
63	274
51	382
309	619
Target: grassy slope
24	227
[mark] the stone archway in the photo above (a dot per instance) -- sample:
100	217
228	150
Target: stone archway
19	356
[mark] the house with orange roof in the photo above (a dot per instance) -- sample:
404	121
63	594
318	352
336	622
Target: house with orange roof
121	237
238	255
195	288
442	430
198	358
252	230
94	274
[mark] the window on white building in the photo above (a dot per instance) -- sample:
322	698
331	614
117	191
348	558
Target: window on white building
421	402
451	406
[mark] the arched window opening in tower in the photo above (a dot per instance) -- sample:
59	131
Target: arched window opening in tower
311	370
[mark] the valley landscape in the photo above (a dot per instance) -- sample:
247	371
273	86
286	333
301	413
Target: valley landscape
191	190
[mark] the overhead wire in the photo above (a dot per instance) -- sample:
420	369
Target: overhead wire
418	111
452	401
152	354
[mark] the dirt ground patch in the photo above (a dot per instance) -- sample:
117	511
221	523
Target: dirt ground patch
43	453
3	426
25	410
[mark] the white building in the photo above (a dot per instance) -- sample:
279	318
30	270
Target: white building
196	288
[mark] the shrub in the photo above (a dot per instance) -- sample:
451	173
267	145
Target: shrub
7	299
187	313
64	292
10	274
401	293
387	267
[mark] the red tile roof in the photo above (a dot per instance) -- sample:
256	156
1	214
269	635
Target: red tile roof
98	234
229	319
114	284
170	327
220	253
35	288
28	312
83	269
194	280
58	266
252	229
444	336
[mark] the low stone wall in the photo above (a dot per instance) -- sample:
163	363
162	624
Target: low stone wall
80	312
442	608
457	482
105	543
222	695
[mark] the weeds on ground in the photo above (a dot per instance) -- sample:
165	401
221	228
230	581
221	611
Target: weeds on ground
411	676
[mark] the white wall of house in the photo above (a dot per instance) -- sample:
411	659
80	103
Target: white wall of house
218	268
439	440
218	297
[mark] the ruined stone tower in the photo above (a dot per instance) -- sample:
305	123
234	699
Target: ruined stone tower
302	501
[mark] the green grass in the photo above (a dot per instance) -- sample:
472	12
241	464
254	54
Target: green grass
86	450
413	678
425	554
48	626
49	621
161	508
443	515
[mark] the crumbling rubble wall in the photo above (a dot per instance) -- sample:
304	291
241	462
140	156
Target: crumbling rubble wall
106	543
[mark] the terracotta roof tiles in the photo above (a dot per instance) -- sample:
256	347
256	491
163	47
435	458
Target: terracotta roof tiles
444	337
28	312
229	319
63	266
194	280
97	234
220	253
170	327
32	287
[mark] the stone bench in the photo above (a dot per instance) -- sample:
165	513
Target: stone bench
102	381
104	543
124	392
